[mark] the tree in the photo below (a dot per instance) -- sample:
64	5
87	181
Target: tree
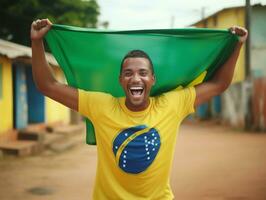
16	16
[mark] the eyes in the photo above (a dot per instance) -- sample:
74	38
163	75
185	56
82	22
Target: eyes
143	73
129	73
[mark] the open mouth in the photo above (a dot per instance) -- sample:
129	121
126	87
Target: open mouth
136	90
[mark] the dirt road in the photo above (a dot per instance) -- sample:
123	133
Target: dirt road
211	163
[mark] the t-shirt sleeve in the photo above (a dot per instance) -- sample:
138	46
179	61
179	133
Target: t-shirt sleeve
182	101
93	104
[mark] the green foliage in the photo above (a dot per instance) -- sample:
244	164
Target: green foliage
16	16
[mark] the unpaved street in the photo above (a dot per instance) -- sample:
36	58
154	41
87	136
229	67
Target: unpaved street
211	163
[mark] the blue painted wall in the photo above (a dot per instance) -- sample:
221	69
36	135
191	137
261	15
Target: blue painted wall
20	111
36	112
202	111
216	106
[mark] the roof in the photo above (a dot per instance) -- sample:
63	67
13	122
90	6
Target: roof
15	51
224	9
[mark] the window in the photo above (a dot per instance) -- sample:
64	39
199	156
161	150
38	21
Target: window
1	81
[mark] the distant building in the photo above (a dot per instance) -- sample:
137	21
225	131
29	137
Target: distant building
21	104
235	105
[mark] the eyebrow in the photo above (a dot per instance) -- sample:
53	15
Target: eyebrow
143	70
130	70
126	70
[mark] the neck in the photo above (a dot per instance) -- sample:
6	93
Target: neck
137	108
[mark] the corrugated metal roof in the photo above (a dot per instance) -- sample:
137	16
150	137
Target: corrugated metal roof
15	51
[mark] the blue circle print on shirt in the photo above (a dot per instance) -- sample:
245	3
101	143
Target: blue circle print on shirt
135	148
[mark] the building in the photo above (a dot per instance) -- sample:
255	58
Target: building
244	103
21	104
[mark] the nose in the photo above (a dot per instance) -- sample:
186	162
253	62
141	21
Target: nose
136	78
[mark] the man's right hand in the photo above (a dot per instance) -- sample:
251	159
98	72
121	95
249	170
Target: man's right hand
39	28
42	73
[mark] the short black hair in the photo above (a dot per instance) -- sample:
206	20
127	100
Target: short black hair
137	54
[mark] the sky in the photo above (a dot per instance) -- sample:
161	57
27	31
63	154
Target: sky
155	14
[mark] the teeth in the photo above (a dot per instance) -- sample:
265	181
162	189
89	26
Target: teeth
136	88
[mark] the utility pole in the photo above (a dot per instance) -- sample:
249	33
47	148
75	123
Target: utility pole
247	24
247	84
172	22
203	14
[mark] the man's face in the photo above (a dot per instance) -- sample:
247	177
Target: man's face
137	79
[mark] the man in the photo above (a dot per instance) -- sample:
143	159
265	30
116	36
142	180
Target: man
136	134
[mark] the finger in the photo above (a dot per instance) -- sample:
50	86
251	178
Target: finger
244	31
49	22
238	30
38	21
43	23
241	31
34	25
232	29
37	24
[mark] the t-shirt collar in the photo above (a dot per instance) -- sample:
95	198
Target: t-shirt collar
122	102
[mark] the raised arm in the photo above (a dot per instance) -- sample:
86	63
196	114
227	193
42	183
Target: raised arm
223	77
42	72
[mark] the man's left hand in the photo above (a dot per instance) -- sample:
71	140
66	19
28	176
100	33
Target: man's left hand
239	31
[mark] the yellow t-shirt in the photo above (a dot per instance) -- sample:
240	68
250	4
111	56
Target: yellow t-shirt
135	149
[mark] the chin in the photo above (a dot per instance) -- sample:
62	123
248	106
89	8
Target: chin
137	103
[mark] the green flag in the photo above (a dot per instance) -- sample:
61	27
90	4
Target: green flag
91	59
